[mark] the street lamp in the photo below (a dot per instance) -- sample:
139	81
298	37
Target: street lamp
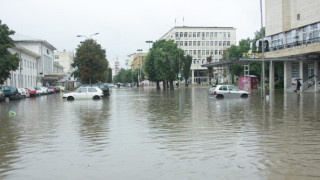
139	74
89	52
263	75
149	42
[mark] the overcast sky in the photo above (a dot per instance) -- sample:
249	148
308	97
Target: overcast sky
123	25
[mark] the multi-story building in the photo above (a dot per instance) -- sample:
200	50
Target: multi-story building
135	60
27	74
293	31
202	43
65	59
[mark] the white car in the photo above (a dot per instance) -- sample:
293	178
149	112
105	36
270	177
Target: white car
84	93
221	91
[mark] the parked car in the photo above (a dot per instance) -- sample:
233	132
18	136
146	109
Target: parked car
84	93
63	89
103	87
32	92
57	89
23	92
11	92
53	88
39	91
2	97
222	91
44	89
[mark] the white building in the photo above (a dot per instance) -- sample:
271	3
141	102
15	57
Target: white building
26	74
201	43
64	59
293	31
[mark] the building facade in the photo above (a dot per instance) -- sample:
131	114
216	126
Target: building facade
65	59
202	43
26	75
293	31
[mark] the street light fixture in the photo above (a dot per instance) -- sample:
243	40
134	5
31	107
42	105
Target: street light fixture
89	52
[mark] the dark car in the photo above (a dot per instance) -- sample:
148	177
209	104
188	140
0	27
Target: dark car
11	92
103	87
2	98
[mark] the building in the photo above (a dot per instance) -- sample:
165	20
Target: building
65	59
45	61
27	74
293	31
202	43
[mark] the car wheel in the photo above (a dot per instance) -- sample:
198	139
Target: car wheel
244	95
70	98
96	97
219	96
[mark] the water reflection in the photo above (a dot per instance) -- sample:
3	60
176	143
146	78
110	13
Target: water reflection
180	134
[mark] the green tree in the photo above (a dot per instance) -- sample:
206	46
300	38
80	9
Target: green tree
186	67
8	62
90	62
150	68
108	74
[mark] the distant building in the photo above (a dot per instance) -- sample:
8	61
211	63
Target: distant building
65	59
201	43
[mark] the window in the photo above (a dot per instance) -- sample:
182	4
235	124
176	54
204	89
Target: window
228	43
207	52
211	34
224	34
215	34
220	43
190	52
185	34
289	37
298	16
228	34
189	34
81	90
224	43
194	43
194	61
203	43
198	34
56	57
194	52
194	34
216	43
186	43
203	34
223	88
310	69
190	43
295	73
220	34
199	43
211	43
314	31
186	52
181	43
207	43
199	52
207	34
216	52
92	90
211	52
203	52
181	34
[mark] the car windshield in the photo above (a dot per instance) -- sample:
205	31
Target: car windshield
233	88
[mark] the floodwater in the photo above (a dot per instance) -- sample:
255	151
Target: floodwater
146	134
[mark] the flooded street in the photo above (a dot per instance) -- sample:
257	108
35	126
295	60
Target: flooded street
148	134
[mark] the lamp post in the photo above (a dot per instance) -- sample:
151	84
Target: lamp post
149	42
263	75
139	74
87	38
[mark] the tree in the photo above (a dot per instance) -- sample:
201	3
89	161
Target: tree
150	68
90	62
8	62
186	67
108	74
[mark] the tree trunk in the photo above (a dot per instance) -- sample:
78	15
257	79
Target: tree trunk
164	85
158	85
171	85
137	83
186	83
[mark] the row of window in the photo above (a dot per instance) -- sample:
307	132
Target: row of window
303	34
27	64
203	43
26	81
203	52
203	34
203	61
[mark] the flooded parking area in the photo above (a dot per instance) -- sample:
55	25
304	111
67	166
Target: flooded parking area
148	134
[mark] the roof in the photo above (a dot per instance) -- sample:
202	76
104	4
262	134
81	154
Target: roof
196	27
20	48
23	38
247	60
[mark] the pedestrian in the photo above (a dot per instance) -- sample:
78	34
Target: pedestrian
298	86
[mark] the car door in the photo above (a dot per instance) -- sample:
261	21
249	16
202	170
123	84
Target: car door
233	91
92	92
224	91
81	93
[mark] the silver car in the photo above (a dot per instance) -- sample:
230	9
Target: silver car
84	93
222	91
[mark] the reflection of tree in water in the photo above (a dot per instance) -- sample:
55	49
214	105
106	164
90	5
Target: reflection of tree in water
94	118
